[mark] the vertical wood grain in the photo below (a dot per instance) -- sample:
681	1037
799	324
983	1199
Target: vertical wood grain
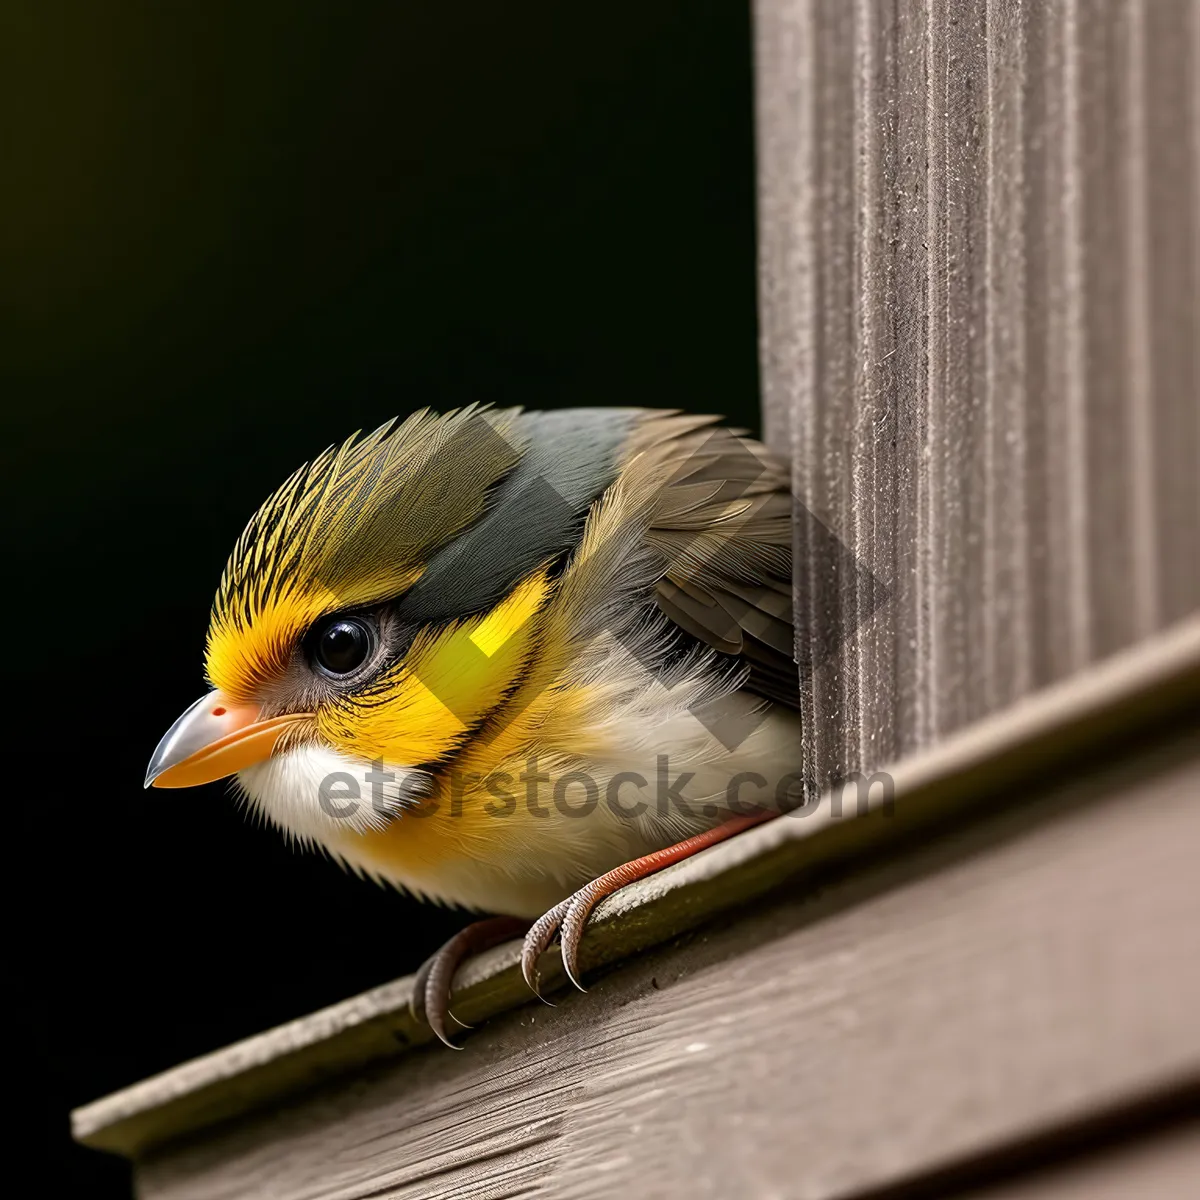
980	238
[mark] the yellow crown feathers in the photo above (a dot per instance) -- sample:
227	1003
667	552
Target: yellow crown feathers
353	528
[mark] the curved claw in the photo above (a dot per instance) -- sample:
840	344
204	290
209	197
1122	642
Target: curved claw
430	1000
574	978
431	991
571	934
533	977
438	1024
539	937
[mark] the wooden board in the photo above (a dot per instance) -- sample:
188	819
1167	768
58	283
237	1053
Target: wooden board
1012	980
1163	1167
979	265
1013	755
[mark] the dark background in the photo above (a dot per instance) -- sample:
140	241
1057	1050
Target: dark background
234	233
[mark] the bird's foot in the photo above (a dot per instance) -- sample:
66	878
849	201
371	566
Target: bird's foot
567	920
431	990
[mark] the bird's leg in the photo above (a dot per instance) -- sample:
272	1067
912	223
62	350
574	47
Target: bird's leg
569	918
431	991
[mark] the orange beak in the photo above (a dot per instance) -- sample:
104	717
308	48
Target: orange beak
212	739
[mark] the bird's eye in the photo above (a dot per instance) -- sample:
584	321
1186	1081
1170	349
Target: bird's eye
342	645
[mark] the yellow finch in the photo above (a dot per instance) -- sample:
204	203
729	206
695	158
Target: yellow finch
507	660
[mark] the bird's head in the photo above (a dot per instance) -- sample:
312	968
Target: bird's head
381	605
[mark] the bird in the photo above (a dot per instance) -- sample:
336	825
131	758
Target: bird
507	660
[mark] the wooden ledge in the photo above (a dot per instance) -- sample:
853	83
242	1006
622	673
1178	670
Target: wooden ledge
1034	742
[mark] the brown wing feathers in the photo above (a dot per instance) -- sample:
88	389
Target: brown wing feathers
723	525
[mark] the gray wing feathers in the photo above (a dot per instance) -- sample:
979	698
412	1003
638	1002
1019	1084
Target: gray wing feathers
568	459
